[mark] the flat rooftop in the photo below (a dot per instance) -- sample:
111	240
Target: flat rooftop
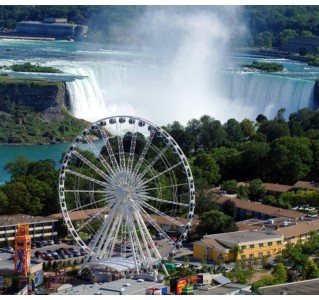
244	236
305	287
111	288
7	262
10	220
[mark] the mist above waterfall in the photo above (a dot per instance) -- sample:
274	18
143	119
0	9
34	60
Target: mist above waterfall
194	41
178	67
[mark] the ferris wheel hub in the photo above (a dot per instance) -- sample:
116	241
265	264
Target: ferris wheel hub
121	194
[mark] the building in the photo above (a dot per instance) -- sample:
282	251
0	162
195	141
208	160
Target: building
304	287
306	185
52	27
238	245
247	210
275	189
301	43
40	228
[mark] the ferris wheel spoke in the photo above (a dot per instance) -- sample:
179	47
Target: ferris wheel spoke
158	212
147	239
102	232
162	187
99	155
105	246
106	199
85	191
159	174
152	222
137	248
132	153
109	150
150	165
145	150
91	219
162	200
121	153
91	165
85	177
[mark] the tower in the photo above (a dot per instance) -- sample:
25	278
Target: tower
22	250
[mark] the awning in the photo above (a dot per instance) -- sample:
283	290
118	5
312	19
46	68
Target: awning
221	279
118	264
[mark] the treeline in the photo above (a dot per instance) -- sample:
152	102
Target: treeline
270	26
273	26
276	150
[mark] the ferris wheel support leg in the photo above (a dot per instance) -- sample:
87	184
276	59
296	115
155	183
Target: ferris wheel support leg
165	270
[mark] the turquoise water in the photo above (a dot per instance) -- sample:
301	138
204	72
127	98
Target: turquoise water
9	153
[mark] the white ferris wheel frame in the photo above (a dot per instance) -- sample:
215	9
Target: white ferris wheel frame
126	192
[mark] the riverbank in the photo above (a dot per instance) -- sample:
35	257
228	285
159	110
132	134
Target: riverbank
26	38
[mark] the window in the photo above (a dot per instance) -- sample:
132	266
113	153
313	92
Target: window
269	244
243	247
278	242
260	255
268	252
251	256
243	257
251	246
261	245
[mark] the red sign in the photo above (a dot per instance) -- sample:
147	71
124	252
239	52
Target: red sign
180	283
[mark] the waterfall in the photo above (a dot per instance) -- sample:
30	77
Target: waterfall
163	94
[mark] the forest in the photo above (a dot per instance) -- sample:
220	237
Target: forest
269	25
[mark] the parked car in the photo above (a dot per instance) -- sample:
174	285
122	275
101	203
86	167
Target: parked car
56	256
83	252
50	242
39	244
76	253
49	257
196	266
33	245
44	243
39	254
71	249
63	255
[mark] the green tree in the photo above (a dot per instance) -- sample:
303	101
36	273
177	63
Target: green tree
62	229
247	128
205	201
230	186
215	222
19	196
233	130
256	190
229	208
310	270
19	167
4	203
287	35
290	159
274	129
205	171
280	273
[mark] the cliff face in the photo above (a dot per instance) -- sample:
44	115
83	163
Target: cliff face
34	112
41	96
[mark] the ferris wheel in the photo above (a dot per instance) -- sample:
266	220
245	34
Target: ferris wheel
126	192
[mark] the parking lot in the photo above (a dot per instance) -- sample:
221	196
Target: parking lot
57	252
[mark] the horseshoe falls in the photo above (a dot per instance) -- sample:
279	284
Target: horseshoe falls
156	92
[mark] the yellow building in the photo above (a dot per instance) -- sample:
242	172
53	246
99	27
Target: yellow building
238	245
